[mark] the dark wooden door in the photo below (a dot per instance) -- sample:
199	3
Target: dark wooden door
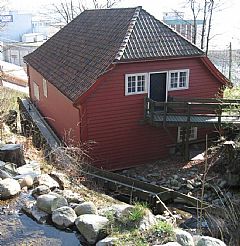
158	92
158	86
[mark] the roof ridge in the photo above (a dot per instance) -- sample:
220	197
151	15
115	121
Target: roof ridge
128	34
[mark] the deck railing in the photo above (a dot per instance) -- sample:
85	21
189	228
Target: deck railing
207	107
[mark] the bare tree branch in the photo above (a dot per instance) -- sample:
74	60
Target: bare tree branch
67	10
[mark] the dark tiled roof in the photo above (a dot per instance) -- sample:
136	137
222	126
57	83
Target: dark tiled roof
151	38
78	54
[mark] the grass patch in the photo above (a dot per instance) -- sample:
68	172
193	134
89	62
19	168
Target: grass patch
138	212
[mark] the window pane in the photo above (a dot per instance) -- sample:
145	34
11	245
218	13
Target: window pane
131	84
183	79
141	83
174	80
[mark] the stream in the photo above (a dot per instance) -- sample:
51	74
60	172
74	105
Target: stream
17	228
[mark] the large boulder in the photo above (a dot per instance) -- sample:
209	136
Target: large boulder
12	153
207	241
85	208
9	187
92	227
44	202
33	211
72	197
184	238
58	202
64	217
32	168
45	179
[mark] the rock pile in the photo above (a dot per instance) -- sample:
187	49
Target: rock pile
53	202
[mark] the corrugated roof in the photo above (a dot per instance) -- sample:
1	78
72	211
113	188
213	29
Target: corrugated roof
78	54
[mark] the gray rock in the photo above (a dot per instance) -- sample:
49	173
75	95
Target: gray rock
120	210
58	202
72	197
32	210
108	241
64	217
45	179
85	208
147	221
44	202
12	153
92	227
26	181
40	190
9	187
184	238
4	174
207	241
174	182
33	169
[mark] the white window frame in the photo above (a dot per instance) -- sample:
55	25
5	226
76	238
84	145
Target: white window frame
136	82
178	82
45	90
36	91
192	136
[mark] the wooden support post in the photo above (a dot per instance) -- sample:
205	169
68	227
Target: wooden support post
187	132
187	135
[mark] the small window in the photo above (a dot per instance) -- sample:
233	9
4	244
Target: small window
36	91
135	84
45	92
192	135
178	80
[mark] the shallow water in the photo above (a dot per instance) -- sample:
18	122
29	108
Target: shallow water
18	229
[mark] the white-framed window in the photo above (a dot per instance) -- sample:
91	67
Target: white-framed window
178	79
36	91
192	135
45	91
135	83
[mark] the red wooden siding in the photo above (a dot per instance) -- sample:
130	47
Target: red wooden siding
113	119
57	109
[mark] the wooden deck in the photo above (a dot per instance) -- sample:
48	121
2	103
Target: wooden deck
194	112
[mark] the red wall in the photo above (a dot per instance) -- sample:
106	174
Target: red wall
57	109
113	119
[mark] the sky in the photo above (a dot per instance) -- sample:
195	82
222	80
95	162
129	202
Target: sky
226	21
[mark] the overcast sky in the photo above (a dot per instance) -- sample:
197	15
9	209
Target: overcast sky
226	22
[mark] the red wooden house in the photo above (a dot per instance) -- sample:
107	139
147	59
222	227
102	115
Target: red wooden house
90	79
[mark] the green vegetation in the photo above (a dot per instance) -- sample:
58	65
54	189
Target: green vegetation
125	228
164	230
137	213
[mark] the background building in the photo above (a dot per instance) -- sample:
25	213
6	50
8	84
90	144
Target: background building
183	26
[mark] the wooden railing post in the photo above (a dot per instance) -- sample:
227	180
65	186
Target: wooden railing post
165	114
145	107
